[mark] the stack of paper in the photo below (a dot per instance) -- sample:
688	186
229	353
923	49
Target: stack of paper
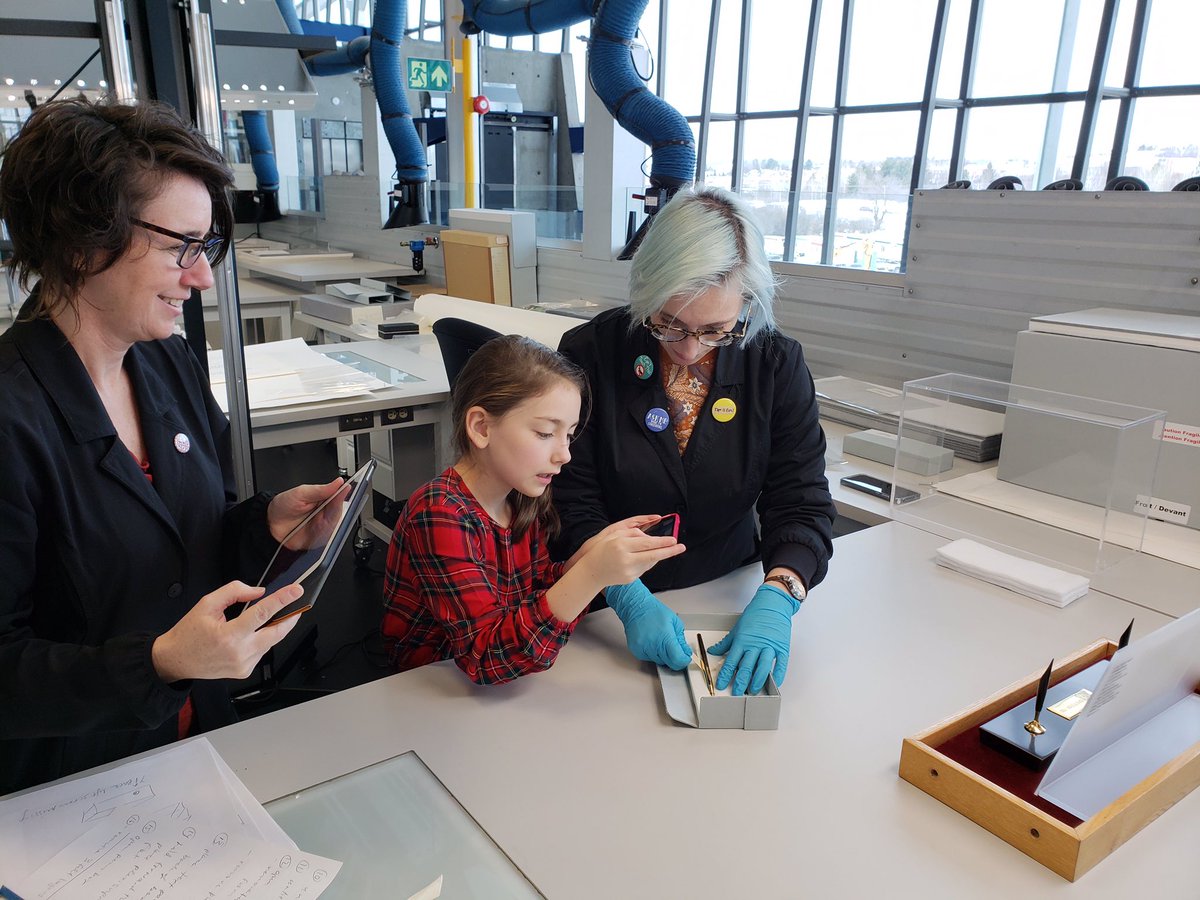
972	433
178	824
284	373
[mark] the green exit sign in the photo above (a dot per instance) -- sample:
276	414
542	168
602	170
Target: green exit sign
430	75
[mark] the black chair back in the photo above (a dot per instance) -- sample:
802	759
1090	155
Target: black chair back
1064	184
458	339
1126	183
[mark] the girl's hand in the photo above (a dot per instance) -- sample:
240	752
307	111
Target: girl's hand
203	644
631	522
287	510
622	552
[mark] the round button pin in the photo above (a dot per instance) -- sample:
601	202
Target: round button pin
643	367
724	409
657	419
182	442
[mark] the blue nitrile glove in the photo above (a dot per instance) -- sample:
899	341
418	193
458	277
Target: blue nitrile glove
652	631
759	642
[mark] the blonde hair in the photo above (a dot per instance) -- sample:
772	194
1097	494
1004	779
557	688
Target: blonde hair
704	237
498	377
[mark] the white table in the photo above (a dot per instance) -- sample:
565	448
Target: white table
309	270
258	299
582	779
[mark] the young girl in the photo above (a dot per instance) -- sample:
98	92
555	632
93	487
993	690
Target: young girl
468	573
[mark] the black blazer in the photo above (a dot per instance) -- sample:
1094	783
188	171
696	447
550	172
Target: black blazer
769	458
95	562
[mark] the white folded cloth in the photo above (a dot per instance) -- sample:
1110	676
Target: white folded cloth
1045	583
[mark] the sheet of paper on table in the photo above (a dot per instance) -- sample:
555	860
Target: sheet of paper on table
161	856
284	373
1142	714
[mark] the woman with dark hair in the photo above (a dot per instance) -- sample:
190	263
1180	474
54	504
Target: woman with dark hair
469	577
703	408
120	539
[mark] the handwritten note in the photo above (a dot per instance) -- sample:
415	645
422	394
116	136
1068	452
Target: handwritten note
142	857
186	781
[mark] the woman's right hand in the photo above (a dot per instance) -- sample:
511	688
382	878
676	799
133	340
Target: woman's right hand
204	644
622	552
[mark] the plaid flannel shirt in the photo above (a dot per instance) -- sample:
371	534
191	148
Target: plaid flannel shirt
459	586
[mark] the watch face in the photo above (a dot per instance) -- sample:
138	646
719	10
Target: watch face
793	585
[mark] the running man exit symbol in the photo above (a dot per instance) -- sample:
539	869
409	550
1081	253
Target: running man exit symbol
429	75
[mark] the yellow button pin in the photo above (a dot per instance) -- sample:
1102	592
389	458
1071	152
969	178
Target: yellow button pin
724	409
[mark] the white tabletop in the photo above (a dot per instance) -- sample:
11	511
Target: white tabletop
580	776
314	269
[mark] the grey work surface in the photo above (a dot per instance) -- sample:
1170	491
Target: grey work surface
578	774
311	270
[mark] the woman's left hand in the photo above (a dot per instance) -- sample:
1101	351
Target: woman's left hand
287	510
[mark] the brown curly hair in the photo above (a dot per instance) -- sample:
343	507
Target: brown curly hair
79	172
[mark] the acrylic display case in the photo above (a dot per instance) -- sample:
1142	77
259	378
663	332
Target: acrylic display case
1073	492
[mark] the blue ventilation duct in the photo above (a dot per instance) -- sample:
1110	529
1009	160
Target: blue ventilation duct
262	154
644	115
517	17
348	58
614	78
387	68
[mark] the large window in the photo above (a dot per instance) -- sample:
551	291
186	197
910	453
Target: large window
828	114
1016	90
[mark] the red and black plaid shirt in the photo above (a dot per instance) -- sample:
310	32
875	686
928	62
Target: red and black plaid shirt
459	586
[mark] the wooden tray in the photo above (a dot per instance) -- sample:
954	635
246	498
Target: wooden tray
1054	838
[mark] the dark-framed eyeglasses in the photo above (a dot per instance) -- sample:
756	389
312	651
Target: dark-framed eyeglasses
192	247
709	337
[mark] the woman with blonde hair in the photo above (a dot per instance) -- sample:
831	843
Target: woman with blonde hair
702	407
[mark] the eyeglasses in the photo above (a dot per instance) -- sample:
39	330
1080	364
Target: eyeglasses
708	337
192	247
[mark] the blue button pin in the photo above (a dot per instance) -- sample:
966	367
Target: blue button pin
657	419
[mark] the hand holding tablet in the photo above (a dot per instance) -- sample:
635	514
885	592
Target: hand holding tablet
309	550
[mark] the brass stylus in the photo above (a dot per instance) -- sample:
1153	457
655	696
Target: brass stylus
708	679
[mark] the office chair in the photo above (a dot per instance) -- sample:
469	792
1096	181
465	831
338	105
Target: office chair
1126	183
1064	184
1007	183
458	339
1188	184
961	185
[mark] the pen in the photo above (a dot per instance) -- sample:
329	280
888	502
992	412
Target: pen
704	666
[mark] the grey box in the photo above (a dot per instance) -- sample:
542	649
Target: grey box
915	456
347	312
757	713
1136	374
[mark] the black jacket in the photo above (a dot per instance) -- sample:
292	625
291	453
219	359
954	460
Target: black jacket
769	458
95	562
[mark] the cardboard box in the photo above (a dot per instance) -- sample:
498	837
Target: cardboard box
1137	374
684	705
1058	841
477	266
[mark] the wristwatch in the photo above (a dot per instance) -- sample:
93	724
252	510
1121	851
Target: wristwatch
791	584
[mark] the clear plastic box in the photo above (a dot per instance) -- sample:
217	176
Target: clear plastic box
1072	490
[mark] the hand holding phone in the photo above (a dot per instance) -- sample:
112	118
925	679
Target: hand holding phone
667	526
877	487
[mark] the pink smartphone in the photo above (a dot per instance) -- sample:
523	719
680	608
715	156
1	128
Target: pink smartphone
667	526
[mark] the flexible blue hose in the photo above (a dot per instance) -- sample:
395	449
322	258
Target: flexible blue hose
262	154
641	113
348	58
387	68
515	17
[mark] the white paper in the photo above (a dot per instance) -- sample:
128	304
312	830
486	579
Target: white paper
184	781
1143	713
161	857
